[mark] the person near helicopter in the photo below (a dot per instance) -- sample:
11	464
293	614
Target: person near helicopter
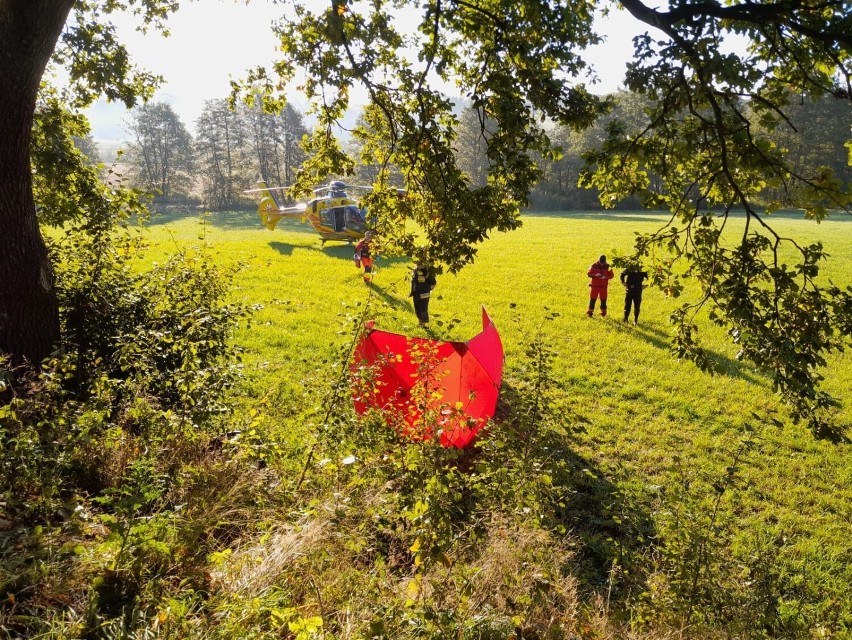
364	256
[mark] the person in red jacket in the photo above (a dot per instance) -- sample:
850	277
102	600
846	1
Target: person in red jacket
364	257
601	274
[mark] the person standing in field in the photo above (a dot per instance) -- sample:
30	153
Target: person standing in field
633	278
364	257
422	283
601	274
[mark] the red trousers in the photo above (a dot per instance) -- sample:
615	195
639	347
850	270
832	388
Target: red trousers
594	294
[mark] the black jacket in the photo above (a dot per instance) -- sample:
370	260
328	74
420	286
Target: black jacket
422	281
633	279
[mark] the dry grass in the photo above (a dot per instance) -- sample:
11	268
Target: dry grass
269	561
517	579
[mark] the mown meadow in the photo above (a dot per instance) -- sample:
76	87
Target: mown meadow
619	492
687	491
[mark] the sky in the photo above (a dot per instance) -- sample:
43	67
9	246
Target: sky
213	42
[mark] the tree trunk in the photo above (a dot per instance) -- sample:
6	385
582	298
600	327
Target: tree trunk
29	317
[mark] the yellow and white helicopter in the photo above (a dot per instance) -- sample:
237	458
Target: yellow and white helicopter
332	213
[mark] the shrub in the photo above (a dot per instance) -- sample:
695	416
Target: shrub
100	442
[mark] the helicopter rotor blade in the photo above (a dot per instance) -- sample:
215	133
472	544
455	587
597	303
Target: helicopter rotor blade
330	187
266	189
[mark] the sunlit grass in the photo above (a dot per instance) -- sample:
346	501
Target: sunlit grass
302	290
637	415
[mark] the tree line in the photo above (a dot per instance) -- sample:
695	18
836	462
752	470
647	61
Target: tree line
228	150
233	145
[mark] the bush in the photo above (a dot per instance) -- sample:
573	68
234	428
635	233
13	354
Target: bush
100	443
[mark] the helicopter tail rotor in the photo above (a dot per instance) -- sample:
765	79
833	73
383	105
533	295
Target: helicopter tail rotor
269	213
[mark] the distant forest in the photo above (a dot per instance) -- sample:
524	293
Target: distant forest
230	149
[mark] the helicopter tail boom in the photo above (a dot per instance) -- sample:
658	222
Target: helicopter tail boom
270	209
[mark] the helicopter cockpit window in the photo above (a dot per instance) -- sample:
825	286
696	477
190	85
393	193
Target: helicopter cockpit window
354	218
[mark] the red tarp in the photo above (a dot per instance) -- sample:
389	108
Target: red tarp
455	382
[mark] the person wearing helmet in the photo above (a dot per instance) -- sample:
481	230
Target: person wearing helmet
601	274
364	257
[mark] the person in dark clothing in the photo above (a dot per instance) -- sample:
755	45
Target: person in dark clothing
422	283
601	274
632	278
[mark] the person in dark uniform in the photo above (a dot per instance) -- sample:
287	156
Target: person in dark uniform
422	283
601	274
633	278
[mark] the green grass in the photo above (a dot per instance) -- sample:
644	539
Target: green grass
304	289
658	431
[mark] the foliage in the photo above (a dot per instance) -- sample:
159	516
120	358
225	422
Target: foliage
701	145
233	146
160	153
471	151
703	142
560	187
219	135
618	493
79	36
96	60
813	141
105	439
68	187
622	405
276	142
119	501
413	126
426	543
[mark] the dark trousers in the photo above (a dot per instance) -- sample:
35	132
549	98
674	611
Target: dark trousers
632	297
421	307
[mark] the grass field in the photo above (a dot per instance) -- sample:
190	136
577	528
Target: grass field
695	458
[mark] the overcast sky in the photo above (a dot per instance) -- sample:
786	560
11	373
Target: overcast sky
213	42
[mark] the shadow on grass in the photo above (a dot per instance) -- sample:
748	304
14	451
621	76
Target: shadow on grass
247	218
722	365
223	219
282	247
614	525
343	252
646	215
603	216
389	296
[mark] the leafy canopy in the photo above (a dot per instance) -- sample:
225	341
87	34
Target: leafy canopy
97	63
702	153
510	61
65	185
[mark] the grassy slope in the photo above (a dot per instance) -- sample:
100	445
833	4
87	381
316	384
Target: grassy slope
652	426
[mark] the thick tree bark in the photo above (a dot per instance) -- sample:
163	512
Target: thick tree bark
29	318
